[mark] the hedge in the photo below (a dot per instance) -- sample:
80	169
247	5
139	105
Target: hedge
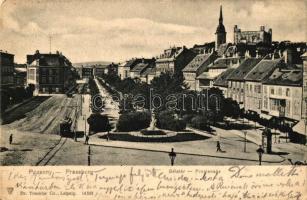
167	120
133	121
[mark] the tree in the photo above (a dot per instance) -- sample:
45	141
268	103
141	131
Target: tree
98	123
133	121
167	120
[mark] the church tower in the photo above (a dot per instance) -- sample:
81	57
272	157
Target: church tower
220	31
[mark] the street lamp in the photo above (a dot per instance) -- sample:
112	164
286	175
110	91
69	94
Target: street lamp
172	156
89	156
260	151
245	132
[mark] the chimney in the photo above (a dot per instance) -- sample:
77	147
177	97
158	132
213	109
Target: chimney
289	56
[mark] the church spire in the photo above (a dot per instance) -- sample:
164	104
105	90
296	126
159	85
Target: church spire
221	15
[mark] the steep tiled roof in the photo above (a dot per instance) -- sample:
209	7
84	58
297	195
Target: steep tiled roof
206	75
222	63
146	71
222	49
131	63
139	67
170	57
243	69
221	80
196	63
262	70
285	77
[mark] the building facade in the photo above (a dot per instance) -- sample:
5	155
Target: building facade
87	72
220	81
197	66
252	37
141	67
220	65
236	82
50	73
253	84
124	68
7	69
173	60
282	94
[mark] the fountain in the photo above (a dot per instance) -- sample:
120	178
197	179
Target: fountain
152	129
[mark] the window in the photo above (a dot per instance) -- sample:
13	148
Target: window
279	91
44	80
259	104
288	92
265	102
272	91
296	107
264	90
56	79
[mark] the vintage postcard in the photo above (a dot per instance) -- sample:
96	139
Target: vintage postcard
166	99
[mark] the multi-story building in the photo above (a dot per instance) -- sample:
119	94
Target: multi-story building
206	79
220	31
111	69
50	73
20	76
282	94
87	72
236	80
252	37
125	67
197	66
220	81
99	70
7	69
137	71
173	60
253	84
301	126
203	48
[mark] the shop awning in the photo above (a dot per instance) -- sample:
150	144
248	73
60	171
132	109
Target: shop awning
300	127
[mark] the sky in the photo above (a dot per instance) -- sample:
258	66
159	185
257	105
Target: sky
117	30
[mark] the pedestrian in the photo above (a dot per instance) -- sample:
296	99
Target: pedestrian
87	139
218	146
260	151
11	139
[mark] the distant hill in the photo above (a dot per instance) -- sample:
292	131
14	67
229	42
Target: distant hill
91	63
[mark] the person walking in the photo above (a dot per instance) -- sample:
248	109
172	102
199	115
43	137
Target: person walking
86	139
11	139
218	146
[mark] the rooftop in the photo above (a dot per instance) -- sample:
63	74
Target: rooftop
221	80
292	77
206	75
243	69
222	63
197	62
48	59
139	67
262	70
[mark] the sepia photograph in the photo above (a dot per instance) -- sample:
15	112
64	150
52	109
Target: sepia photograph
153	83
